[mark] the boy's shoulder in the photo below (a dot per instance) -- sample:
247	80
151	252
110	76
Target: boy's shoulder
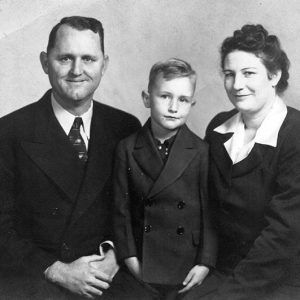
188	134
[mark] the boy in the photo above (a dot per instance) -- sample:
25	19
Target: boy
160	221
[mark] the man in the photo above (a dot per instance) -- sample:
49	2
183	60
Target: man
55	178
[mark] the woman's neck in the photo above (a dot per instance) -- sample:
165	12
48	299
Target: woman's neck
253	121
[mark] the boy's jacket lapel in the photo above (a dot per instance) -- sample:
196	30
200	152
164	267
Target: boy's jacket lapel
182	153
150	162
146	154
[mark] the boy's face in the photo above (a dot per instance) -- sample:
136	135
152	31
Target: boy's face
170	102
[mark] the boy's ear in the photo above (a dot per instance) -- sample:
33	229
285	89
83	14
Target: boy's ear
44	61
146	99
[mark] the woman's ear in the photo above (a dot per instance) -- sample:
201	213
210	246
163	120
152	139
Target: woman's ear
146	99
275	77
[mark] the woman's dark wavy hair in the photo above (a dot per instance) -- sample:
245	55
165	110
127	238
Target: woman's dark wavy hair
255	39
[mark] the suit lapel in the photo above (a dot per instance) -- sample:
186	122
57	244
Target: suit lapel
224	163
182	153
51	150
146	154
253	160
220	155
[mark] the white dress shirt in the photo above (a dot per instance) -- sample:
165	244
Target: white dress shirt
66	120
266	134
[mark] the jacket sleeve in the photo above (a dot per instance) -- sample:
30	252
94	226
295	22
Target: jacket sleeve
17	252
268	263
208	252
123	235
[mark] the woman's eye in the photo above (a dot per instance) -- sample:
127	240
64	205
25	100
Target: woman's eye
228	74
248	73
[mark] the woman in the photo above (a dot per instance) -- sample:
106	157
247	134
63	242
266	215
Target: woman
255	172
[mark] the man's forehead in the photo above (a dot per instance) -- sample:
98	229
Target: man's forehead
68	38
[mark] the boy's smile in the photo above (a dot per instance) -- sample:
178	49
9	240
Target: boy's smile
170	102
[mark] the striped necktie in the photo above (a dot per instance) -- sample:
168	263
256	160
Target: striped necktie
77	140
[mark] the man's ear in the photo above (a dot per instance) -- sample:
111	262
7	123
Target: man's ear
44	61
105	64
146	99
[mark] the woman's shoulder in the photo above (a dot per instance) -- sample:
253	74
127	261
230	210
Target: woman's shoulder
293	116
219	119
288	136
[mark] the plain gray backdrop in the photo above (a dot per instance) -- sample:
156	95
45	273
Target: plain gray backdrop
138	33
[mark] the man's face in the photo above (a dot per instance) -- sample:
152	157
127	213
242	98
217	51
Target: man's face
75	65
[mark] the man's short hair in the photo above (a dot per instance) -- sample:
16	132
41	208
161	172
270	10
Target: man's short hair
170	69
79	23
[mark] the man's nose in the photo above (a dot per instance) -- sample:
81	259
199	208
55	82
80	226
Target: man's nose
76	67
173	105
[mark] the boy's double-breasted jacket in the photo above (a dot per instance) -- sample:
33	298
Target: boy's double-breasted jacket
161	211
258	205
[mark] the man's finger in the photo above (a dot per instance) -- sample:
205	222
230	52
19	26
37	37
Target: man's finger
92	292
100	284
93	257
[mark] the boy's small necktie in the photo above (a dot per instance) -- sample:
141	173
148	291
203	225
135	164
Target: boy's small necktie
77	140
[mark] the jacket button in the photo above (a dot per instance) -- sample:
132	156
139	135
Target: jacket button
54	211
181	205
147	228
180	230
149	202
65	247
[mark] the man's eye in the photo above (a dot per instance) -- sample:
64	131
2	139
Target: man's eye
88	59
65	59
165	96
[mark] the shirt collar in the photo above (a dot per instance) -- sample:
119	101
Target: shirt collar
267	133
66	119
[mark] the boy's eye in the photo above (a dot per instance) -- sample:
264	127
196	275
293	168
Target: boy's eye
165	96
184	100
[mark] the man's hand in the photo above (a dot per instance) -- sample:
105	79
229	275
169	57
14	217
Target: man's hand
108	265
79	276
194	278
134	266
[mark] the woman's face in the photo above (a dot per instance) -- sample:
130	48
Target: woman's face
247	83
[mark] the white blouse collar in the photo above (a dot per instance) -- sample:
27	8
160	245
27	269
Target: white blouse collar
267	133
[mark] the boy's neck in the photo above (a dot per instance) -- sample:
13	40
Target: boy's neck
162	134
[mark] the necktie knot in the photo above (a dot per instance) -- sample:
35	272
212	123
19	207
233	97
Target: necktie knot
77	122
77	140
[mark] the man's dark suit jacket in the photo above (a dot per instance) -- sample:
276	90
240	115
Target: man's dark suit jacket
161	210
258	203
52	208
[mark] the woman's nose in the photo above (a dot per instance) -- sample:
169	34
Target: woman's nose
239	82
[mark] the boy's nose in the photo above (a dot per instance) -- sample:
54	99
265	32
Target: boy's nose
173	105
